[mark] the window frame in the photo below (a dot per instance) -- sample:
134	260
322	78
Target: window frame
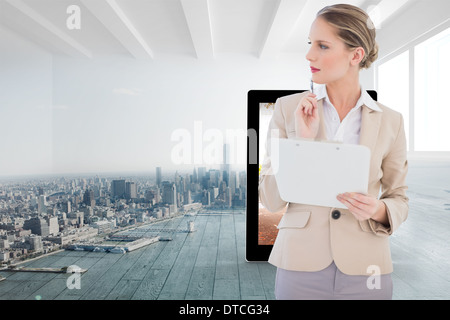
410	47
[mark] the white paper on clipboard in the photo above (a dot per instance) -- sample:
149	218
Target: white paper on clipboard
314	172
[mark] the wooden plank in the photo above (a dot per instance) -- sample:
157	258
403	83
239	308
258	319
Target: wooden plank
268	273
249	277
207	253
150	287
141	266
58	284
151	253
22	291
106	282
20	279
124	290
227	251
170	252
8	285
201	285
226	281
177	282
226	289
90	277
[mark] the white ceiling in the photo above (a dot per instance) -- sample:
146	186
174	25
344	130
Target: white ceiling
153	29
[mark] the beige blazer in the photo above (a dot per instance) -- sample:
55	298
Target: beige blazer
309	238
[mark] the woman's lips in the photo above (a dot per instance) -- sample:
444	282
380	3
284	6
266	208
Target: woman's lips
314	70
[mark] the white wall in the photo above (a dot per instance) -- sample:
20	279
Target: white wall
126	110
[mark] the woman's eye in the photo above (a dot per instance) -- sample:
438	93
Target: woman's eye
309	42
323	47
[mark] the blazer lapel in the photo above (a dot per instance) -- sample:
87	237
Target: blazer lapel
370	126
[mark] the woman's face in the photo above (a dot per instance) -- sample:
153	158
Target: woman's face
329	57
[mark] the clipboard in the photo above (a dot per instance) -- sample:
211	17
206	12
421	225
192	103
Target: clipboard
315	172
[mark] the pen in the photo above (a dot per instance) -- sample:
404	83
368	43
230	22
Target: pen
312	86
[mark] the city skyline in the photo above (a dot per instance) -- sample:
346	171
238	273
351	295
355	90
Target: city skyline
43	215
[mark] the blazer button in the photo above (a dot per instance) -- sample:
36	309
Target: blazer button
335	214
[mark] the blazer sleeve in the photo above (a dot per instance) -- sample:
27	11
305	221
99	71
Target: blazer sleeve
268	189
393	183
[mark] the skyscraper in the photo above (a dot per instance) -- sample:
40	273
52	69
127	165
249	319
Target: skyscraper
201	175
226	162
118	188
53	226
89	198
169	193
233	181
158	176
41	204
37	226
194	176
130	190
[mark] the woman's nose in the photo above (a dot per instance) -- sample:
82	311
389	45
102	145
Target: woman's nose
309	55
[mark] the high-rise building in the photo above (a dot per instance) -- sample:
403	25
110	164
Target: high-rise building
158	176
37	226
53	226
226	162
66	206
41	204
118	188
201	174
233	181
130	190
169	193
35	242
187	197
89	198
228	197
206	198
215	177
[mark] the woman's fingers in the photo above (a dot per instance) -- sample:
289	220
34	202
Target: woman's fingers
309	104
362	206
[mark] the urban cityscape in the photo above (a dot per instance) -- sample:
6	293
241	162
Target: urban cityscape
42	215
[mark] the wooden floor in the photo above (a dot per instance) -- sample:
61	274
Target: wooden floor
210	263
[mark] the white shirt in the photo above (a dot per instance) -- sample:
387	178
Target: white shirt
348	130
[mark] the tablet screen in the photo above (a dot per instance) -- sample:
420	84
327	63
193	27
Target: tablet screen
261	228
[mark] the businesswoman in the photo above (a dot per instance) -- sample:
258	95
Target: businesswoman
330	253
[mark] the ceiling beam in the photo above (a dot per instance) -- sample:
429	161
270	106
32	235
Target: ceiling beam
63	40
111	15
281	27
199	23
383	10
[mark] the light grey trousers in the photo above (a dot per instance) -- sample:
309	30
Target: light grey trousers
330	284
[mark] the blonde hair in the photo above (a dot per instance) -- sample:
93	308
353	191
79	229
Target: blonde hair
355	28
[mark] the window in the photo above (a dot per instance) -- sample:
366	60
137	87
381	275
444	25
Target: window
430	106
393	86
432	83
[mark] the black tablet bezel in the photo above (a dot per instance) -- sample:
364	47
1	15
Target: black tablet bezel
254	251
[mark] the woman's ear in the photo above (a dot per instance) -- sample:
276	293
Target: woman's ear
357	56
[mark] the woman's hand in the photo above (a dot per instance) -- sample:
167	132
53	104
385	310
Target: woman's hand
307	117
364	207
